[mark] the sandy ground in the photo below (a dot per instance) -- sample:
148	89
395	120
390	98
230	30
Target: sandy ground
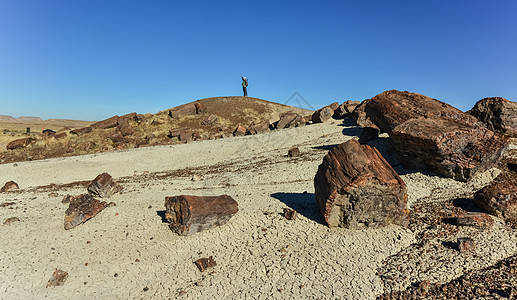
128	251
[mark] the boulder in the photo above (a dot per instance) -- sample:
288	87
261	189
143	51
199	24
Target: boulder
81	131
183	110
125	128
355	186
82	208
289	120
60	135
185	135
200	107
210	120
359	115
499	198
368	134
498	114
322	115
105	124
239	131
447	147
191	214
103	186
260	127
20	143
345	109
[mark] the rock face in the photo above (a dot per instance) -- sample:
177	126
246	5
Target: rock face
499	198
191	214
103	186
430	134
289	120
9	187
82	208
355	186
498	114
19	143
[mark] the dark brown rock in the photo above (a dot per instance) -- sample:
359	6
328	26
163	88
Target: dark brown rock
368	134
103	186
60	135
200	107
478	220
9	187
447	147
210	120
465	244
293	152
322	115
20	143
131	117
499	198
183	110
58	278
81	131
359	115
355	186
125	128
205	263
11	220
82	208
260	127
392	108
190	214
498	114
289	120
185	135
118	138
239	131
66	199
345	110
108	123
289	214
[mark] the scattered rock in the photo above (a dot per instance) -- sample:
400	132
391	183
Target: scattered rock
186	135
260	127
239	131
289	120
183	110
8	221
190	214
205	263
322	115
20	143
81	131
368	134
82	208
210	120
465	244
289	214
126	129
119	138
499	198
103	186
355	186
53	194
498	114
105	124
478	220
66	199
293	152
58	278
9	187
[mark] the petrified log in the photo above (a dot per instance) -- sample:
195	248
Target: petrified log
355	186
19	143
499	198
498	114
128	118
447	147
183	110
82	208
210	120
478	220
125	128
10	186
239	131
200	107
289	120
105	124
103	186
322	115
118	137
190	214
359	115
81	131
260	127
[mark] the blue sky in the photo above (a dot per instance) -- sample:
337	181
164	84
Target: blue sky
93	59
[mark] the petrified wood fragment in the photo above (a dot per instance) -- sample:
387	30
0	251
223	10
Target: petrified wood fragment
103	186
82	208
10	186
58	278
205	263
190	214
499	198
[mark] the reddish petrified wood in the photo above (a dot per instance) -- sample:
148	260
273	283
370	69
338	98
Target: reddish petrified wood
82	208
108	123
478	220
498	114
465	244
125	128
499	198
205	263
200	107
58	278
355	186
190	214
289	214
210	120
239	131
260	127
359	115
103	186
183	110
128	118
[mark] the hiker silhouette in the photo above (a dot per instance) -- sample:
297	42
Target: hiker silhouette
245	86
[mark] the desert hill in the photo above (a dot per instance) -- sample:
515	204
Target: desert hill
204	119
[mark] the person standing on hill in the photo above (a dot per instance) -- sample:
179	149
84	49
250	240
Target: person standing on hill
245	86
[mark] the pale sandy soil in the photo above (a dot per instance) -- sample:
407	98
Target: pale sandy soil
259	254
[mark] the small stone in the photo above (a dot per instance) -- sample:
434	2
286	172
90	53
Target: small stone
205	263
146	289
10	186
8	221
196	177
465	244
53	194
293	152
289	214
58	278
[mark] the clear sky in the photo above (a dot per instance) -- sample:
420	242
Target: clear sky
92	59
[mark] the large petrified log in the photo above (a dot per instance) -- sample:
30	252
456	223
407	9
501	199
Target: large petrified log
355	186
498	114
499	198
82	208
19	143
103	186
289	120
183	110
105	124
190	214
81	131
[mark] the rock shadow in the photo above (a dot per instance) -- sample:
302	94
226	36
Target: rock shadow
467	204
161	213
303	203
324	147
